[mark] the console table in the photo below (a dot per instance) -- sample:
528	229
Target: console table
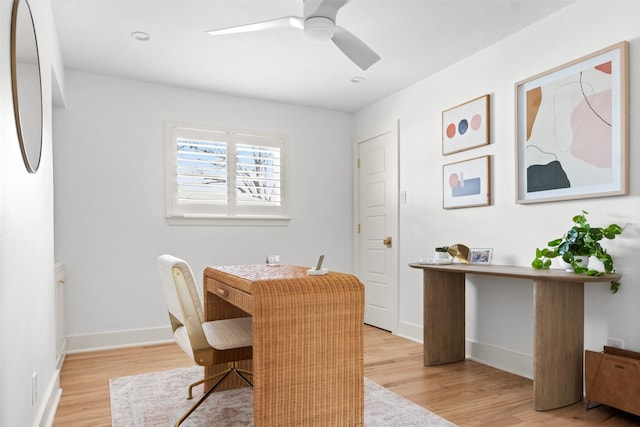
558	324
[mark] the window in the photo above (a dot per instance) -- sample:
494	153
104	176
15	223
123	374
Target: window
223	174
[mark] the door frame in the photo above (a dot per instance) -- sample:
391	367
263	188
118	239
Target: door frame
394	129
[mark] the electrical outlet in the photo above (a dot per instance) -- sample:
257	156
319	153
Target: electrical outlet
34	389
615	342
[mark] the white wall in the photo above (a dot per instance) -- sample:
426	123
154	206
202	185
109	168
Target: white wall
27	336
109	199
499	312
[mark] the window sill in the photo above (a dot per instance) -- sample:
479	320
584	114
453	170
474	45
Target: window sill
228	220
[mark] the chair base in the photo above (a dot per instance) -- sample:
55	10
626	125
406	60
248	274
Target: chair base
223	375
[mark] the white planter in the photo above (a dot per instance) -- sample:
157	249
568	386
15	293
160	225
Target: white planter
442	255
582	260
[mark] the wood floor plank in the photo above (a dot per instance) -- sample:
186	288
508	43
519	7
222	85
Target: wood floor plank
466	393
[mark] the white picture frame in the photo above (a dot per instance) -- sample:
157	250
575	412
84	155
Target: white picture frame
480	256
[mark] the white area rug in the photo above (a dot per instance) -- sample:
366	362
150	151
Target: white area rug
159	399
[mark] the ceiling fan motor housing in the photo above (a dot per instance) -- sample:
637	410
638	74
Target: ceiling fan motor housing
319	28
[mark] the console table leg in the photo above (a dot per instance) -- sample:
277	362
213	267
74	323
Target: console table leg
558	344
444	317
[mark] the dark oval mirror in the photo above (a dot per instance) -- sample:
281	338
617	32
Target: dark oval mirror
26	84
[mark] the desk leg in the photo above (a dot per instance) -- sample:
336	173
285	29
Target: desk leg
558	344
444	317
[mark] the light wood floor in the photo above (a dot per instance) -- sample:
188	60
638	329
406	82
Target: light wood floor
466	393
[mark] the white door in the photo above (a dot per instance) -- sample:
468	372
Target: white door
378	228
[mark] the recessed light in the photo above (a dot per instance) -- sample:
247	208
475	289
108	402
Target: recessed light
139	35
357	79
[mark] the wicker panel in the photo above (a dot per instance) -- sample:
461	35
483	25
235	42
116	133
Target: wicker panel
308	351
307	344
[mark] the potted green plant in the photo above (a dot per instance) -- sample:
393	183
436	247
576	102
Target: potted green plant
579	243
441	252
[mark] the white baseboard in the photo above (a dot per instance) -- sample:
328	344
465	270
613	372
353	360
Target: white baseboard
118	339
500	358
411	332
60	354
497	357
487	354
50	401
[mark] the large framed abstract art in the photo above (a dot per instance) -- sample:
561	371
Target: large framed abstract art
572	129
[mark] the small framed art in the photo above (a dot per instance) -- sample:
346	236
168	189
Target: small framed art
480	255
572	129
466	183
465	126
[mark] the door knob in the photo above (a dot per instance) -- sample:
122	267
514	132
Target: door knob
387	242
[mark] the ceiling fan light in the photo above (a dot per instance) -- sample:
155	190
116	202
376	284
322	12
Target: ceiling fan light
319	28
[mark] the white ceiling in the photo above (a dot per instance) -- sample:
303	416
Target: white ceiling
415	38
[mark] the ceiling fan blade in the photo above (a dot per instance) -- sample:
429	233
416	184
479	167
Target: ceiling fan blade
286	22
310	7
355	49
326	8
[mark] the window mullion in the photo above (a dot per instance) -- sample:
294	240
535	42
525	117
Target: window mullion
231	174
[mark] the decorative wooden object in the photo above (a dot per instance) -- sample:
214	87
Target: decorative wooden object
612	378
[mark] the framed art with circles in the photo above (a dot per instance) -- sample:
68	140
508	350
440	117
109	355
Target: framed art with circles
466	126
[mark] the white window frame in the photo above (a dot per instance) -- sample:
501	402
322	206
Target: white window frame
220	212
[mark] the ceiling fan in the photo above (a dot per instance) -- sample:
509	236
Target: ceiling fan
318	23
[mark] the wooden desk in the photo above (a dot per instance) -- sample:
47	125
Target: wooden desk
558	324
307	341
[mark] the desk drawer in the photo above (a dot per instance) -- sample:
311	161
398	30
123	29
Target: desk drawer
228	293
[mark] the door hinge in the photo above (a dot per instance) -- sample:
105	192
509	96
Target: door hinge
358	228
358	163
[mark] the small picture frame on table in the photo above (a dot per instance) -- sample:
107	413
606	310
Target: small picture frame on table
480	256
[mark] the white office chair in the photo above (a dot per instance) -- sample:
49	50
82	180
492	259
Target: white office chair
208	343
